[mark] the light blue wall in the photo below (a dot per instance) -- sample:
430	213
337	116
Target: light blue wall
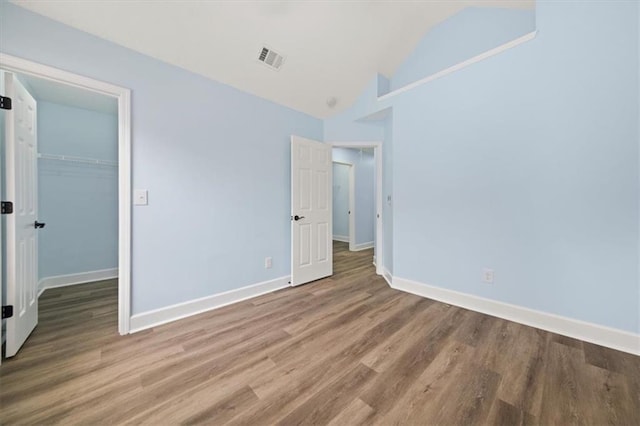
341	200
346	126
78	202
364	164
528	163
214	159
472	31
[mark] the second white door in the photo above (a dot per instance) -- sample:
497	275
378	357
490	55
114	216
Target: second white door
311	210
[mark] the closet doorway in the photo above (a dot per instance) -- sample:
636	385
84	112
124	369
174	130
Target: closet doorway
77	184
77	166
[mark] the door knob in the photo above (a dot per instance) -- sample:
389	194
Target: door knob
296	217
38	225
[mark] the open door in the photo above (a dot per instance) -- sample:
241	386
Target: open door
311	210
21	225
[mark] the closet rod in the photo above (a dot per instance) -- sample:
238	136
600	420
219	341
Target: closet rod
81	160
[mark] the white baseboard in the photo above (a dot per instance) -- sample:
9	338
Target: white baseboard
363	246
178	311
374	260
386	274
73	279
605	336
341	238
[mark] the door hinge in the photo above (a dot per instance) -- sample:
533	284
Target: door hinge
7	311
6	207
5	103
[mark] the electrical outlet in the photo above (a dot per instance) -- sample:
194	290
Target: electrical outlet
140	197
267	262
487	275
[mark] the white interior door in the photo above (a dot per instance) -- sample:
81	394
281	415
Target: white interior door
21	188
311	210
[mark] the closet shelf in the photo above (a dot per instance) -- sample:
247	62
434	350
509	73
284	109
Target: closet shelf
81	160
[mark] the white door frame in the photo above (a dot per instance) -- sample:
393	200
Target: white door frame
377	153
352	203
123	96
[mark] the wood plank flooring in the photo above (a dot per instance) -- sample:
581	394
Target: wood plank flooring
346	350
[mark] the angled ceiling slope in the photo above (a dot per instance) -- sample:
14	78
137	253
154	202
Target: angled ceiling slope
330	49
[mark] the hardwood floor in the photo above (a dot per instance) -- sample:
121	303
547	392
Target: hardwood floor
345	350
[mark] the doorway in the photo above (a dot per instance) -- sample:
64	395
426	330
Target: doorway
77	189
311	207
354	210
121	96
365	153
344	211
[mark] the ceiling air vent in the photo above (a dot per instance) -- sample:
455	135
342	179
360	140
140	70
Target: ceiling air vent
270	58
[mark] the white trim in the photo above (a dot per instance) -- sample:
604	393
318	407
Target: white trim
341	238
73	279
386	274
352	207
124	212
582	330
123	95
356	144
379	248
377	153
363	246
461	65
638	204
178	311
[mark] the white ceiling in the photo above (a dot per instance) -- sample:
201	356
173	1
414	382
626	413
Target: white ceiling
49	91
332	48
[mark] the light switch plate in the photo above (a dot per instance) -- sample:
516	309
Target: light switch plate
140	197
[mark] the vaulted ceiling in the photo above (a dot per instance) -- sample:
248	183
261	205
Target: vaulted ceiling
331	48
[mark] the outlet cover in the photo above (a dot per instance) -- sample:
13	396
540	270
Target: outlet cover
140	197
